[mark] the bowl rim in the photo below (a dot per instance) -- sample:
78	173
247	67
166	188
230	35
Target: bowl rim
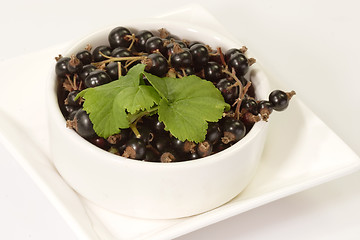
56	115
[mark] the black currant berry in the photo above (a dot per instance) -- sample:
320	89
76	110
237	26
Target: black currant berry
169	156
61	69
229	53
178	145
181	59
71	110
70	100
161	142
100	51
82	124
204	148
86	70
84	56
233	130
121	52
239	63
154	44
96	78
279	100
265	108
193	156
200	54
117	37
142	37
213	72
119	138
151	156
112	69
74	65
135	149
229	92
156	64
100	142
250	105
213	132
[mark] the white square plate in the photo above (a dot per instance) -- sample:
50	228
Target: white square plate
301	152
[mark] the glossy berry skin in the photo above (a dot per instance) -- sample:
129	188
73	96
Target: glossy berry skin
229	94
264	105
106	50
86	70
181	60
204	148
200	54
239	63
83	126
213	72
100	142
135	148
161	142
150	156
61	69
96	78
121	52
279	100
177	145
142	37
74	65
112	69
213	132
234	128
117	37
158	64
170	47
70	100
229	53
84	56
186	71
250	105
154	44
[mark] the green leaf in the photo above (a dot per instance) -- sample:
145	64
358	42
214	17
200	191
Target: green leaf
107	104
104	112
138	98
188	104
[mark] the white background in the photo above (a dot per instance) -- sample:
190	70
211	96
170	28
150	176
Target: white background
310	46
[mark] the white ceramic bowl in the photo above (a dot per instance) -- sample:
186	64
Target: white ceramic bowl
147	189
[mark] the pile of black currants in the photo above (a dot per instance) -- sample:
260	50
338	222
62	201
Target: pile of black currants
164	55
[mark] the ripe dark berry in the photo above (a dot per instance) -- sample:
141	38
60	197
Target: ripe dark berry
250	105
61	67
97	78
142	37
169	156
213	132
112	69
151	156
181	59
154	44
265	108
135	149
70	100
100	142
74	65
239	62
200	54
230	52
156	64
84	56
117	37
229	93
82	124
204	148
100	51
177	145
213	72
279	100
86	70
121	52
186	71
161	142
233	130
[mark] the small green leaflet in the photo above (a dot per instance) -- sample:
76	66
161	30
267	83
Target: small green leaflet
108	104
187	105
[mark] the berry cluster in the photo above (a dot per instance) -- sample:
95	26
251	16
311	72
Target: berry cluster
163	55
